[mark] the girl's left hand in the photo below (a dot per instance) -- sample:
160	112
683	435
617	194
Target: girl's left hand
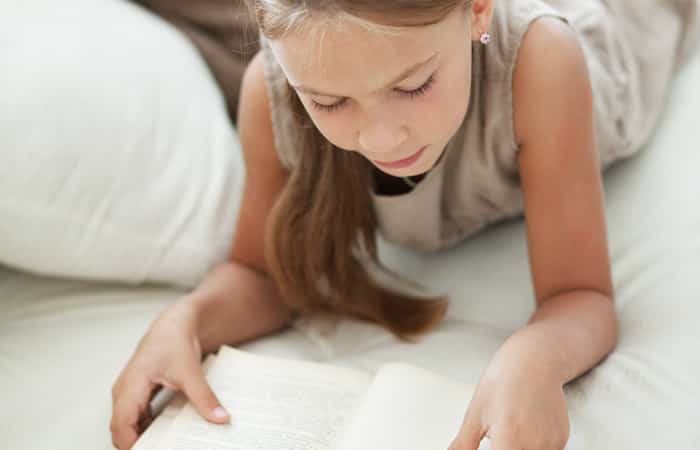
517	409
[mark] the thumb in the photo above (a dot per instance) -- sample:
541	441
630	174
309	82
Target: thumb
469	436
201	396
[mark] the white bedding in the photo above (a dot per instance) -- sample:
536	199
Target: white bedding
63	342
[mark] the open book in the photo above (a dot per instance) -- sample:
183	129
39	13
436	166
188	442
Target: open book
284	404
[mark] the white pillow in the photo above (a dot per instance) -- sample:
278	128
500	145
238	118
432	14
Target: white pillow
117	158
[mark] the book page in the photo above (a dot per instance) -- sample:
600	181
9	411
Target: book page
275	403
409	408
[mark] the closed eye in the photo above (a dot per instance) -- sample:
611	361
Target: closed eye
425	87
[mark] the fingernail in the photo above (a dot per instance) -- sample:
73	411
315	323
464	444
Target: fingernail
220	413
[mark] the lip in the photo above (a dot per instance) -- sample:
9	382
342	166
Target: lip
402	162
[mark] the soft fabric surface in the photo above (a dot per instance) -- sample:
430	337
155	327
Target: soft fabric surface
62	343
117	157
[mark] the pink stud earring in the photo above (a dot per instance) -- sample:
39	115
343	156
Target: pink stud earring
485	38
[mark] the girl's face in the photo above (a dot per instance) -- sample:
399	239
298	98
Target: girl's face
395	98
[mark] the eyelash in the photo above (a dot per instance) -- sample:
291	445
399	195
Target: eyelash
410	94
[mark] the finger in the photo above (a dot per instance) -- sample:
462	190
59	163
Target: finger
202	397
129	406
470	434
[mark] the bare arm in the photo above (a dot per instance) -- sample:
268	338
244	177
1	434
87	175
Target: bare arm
520	401
236	304
238	301
575	324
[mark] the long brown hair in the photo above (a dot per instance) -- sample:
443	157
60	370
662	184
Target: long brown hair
320	237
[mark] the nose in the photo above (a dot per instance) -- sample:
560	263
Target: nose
381	137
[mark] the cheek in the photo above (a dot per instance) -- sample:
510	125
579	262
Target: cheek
436	117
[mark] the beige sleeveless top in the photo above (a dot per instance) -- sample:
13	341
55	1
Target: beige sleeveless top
632	47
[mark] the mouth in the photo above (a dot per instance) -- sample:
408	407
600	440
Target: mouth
401	162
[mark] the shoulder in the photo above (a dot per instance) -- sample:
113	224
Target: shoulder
264	175
550	80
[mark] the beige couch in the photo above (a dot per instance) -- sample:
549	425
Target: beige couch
64	340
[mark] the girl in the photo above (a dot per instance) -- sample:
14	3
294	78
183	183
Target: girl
427	120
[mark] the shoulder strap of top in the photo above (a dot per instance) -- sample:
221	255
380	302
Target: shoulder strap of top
284	128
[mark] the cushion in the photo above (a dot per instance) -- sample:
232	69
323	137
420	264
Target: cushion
119	161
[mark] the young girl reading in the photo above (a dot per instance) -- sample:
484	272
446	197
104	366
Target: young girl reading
427	120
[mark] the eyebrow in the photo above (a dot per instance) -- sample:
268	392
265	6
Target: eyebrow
405	74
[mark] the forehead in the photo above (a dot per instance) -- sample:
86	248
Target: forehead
352	59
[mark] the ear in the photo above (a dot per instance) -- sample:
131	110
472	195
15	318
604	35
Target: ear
481	16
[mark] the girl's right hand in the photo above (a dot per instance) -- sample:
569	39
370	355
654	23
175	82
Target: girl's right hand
168	355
